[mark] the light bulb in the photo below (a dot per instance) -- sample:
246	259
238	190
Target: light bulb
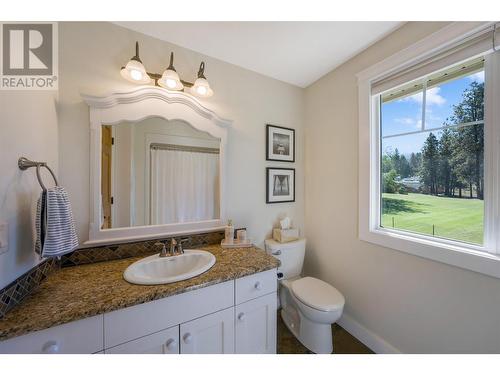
170	80
171	83
202	90
136	74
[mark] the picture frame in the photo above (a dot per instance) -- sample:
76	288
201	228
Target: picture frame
280	143
280	185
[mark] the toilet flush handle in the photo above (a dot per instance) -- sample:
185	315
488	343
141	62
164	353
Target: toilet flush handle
277	252
258	285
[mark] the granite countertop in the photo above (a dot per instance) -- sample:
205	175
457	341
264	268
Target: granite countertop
79	292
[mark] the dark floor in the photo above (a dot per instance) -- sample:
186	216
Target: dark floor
343	342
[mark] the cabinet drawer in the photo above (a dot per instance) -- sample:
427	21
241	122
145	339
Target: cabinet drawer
137	321
79	337
163	342
257	285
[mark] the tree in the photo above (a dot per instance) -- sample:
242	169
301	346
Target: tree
463	169
471	138
397	162
415	163
430	164
404	169
389	184
387	164
446	170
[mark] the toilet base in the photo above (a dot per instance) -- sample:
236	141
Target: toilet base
314	336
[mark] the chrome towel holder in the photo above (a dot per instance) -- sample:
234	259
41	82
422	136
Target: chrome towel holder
24	163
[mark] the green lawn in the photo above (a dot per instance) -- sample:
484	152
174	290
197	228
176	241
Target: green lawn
453	218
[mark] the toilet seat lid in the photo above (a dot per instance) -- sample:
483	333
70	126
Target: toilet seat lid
317	294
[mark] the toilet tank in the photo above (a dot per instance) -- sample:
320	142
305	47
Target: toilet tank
290	254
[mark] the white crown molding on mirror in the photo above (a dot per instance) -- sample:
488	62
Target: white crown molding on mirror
133	106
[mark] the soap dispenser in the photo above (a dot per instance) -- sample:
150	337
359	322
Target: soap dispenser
229	232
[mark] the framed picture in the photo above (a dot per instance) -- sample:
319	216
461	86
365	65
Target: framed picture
280	186
280	143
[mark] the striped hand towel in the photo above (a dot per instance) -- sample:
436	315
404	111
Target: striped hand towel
55	226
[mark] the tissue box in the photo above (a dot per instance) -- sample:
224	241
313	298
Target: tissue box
285	235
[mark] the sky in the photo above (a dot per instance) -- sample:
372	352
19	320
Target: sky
405	115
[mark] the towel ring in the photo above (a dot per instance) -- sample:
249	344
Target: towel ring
24	163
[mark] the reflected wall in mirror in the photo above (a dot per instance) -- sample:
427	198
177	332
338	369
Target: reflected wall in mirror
156	172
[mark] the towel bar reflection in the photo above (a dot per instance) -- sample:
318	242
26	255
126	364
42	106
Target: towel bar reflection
24	163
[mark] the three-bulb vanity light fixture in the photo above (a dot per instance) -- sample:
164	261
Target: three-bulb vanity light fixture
135	72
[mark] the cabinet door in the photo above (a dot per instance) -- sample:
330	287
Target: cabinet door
163	342
255	325
211	334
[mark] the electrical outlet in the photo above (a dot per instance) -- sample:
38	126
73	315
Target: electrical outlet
4	237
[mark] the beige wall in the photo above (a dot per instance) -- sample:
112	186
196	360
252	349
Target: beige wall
91	55
28	127
414	304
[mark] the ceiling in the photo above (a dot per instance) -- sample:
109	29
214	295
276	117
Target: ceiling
295	52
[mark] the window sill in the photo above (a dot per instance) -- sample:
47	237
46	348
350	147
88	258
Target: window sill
448	253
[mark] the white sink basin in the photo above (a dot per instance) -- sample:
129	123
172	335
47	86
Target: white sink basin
155	270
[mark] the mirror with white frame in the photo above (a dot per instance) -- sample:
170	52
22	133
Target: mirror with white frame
157	172
157	166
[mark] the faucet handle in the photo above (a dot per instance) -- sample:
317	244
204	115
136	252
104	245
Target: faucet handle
180	249
163	252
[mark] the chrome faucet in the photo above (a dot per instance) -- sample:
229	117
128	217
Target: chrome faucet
175	247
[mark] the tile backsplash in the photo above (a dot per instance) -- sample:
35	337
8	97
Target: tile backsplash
133	249
24	285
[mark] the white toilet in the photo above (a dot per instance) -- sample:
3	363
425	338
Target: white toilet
309	306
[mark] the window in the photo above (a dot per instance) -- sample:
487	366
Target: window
432	155
429	155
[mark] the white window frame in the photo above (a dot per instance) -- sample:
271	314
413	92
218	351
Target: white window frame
484	259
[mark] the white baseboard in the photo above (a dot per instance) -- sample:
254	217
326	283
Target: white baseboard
367	337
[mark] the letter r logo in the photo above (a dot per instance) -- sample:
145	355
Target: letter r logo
27	49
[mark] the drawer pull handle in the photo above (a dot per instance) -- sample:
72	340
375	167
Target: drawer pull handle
171	344
258	285
51	347
277	252
188	338
241	317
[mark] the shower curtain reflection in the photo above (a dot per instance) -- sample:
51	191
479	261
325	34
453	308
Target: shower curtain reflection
184	185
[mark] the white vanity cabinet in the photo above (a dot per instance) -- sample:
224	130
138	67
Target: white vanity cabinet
236	316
